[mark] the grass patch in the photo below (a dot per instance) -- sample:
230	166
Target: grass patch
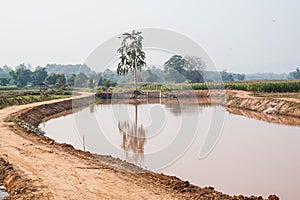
19	98
10	87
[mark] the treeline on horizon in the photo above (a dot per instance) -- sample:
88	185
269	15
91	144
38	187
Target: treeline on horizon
82	76
177	69
55	75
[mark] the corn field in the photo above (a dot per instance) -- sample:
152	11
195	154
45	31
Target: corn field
257	86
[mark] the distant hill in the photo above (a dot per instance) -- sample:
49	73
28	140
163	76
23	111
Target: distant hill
69	69
267	76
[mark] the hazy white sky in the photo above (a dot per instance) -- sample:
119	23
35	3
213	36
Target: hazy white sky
238	35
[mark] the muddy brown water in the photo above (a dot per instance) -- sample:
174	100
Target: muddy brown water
201	143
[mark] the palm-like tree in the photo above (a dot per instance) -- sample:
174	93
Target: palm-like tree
131	53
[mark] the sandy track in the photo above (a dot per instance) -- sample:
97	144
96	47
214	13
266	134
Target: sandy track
56	173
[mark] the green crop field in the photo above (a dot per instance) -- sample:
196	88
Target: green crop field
11	87
257	86
24	97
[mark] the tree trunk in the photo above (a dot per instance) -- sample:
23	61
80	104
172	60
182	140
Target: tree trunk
134	78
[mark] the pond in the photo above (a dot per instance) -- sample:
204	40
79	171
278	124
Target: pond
198	142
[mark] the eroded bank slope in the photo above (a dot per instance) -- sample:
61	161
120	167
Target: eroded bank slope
280	108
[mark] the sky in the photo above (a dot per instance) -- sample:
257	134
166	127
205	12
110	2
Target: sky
238	35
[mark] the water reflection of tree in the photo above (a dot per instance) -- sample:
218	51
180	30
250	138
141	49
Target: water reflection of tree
92	108
133	139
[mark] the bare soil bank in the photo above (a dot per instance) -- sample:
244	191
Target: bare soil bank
264	103
279	108
34	167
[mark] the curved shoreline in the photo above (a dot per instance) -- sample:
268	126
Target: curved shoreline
168	186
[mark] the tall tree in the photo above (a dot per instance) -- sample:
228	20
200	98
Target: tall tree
39	75
91	83
132	57
81	80
295	74
21	75
53	78
60	81
179	69
4	81
174	69
194	67
71	80
4	75
193	63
